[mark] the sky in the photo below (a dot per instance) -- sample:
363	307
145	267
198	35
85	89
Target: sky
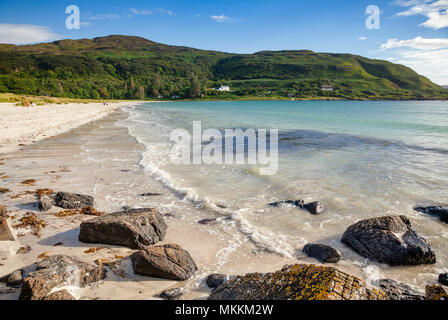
409	32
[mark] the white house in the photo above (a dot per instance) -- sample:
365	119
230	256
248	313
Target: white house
224	88
325	87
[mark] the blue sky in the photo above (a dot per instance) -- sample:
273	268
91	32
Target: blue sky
412	32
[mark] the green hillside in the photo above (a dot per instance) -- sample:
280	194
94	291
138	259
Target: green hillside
125	67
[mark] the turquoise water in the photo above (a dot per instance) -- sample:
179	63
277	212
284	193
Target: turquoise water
361	159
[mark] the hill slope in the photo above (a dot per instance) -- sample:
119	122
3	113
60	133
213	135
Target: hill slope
126	67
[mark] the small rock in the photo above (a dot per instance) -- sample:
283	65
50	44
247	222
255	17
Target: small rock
439	211
390	240
14	279
168	261
399	291
322	252
59	295
436	292
206	221
125	208
216	279
443	279
314	207
67	200
58	271
295	203
150	194
173	294
46	202
135	228
5	232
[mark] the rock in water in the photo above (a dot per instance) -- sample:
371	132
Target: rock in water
215	280
14	279
173	294
314	207
439	211
69	200
58	271
297	282
295	203
436	292
5	232
322	252
135	228
443	279
399	291
168	261
390	240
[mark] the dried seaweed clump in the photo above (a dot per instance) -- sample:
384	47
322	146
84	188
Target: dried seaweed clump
4	190
29	182
31	220
89	211
40	192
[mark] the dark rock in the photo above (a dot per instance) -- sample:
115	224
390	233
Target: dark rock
168	261
221	206
5	232
3	212
135	228
125	208
436	292
295	203
322	252
13	279
150	194
443	279
314	207
297	282
173	294
206	221
215	280
399	291
439	211
47	201
390	240
69	200
58	271
59	295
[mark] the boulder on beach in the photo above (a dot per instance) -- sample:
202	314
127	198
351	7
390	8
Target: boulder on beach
56	272
322	252
390	240
438	211
399	291
46	201
13	279
173	294
297	282
436	292
135	228
59	295
215	280
5	232
443	279
67	200
167	261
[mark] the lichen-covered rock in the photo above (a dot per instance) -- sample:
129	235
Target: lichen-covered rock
173	294
13	279
297	282
59	295
438	211
390	240
69	200
399	291
168	261
135	228
443	279
5	232
436	292
58	271
216	279
322	252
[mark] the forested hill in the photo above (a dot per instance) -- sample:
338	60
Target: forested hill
126	67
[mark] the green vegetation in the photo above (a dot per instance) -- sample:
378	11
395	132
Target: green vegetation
124	67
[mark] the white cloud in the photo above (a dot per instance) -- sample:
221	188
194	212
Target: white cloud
416	43
436	11
143	12
106	16
164	11
428	57
362	38
25	34
221	18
